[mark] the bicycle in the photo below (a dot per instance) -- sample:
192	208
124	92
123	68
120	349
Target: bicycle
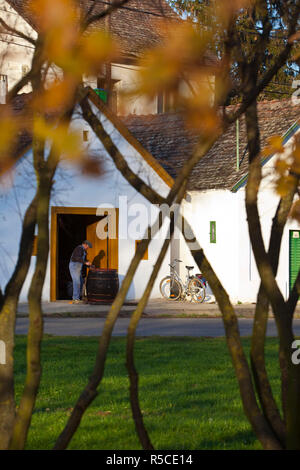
173	288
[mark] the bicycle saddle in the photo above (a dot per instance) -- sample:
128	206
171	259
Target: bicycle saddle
189	267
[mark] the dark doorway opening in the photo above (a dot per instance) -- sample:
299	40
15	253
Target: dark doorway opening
72	230
70	226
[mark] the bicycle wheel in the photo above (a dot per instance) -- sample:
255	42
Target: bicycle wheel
170	288
196	290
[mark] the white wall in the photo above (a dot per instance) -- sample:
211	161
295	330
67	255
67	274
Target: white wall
127	102
221	207
268	201
134	104
15	52
232	257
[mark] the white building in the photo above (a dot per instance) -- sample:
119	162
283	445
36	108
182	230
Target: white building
215	203
75	212
155	147
156	144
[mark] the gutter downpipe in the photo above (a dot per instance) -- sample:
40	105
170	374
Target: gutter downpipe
237	145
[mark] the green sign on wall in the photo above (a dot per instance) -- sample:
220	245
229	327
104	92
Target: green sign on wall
294	255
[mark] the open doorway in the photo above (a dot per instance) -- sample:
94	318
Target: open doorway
69	228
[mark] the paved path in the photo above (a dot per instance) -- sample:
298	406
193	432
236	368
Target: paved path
148	326
154	307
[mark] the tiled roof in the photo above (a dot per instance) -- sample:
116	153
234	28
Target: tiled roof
167	139
133	25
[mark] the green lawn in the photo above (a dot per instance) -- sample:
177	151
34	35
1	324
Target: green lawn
188	394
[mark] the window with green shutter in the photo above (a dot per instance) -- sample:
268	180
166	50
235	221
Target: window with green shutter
212	233
294	256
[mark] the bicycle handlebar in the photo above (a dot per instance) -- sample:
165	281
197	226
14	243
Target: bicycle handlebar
175	261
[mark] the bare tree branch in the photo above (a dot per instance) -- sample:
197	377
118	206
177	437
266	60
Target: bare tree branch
90	391
88	20
257	356
115	154
270	73
35	70
18	33
134	321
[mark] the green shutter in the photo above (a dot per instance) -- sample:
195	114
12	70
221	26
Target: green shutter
294	255
212	233
101	93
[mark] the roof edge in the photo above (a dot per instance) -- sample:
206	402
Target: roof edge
124	131
286	137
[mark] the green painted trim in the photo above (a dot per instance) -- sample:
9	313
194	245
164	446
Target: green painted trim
290	132
237	145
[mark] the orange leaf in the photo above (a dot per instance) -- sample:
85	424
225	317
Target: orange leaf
275	145
295	211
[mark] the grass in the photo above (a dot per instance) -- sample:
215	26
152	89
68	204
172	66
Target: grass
188	394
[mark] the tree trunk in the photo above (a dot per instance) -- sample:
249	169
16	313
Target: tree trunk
262	383
35	332
258	422
135	318
7	325
260	376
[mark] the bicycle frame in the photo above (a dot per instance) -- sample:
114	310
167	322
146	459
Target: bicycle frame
184	286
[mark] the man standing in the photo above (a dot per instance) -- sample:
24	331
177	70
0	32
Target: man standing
78	259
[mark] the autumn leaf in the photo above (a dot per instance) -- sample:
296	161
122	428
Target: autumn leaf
52	14
295	211
66	143
281	166
284	185
157	74
95	49
275	145
227	9
59	25
184	49
201	117
64	44
56	97
91	166
9	128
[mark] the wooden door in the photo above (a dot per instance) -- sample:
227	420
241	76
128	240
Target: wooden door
110	247
98	255
104	253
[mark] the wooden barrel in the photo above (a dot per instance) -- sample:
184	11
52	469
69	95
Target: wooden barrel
102	285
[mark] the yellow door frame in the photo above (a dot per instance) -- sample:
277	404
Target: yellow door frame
57	210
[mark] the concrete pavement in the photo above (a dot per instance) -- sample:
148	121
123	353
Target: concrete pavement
160	318
155	307
196	327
